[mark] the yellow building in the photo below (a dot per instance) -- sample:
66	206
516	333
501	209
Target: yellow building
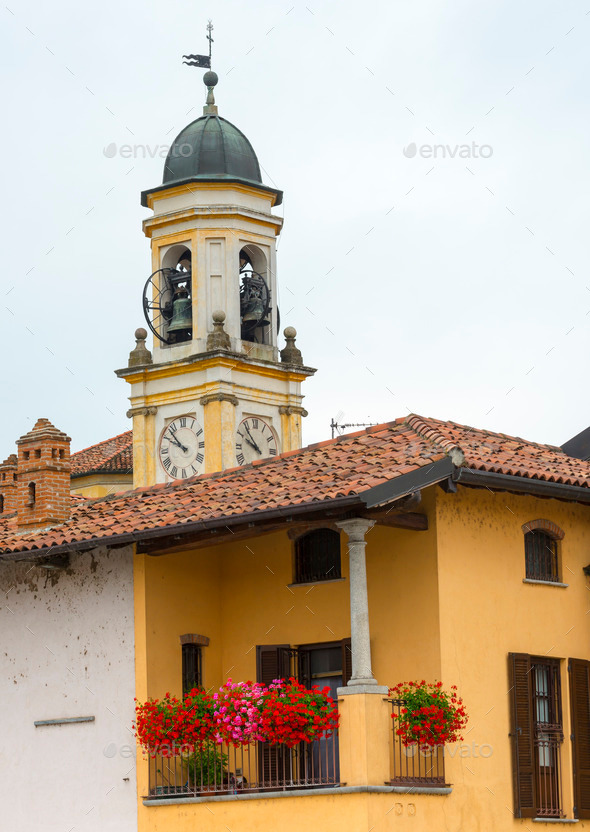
104	468
413	550
260	571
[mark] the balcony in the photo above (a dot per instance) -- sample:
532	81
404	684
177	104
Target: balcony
257	768
412	766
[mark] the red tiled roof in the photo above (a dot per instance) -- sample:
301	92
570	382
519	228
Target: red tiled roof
111	456
319	474
501	454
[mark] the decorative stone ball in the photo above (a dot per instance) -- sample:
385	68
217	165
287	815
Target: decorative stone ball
210	78
219	316
290	332
140	334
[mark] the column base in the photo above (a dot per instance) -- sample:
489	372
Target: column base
365	730
350	689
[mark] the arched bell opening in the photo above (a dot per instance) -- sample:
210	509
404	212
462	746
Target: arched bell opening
167	299
255	296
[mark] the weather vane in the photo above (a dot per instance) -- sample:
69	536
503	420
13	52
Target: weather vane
201	60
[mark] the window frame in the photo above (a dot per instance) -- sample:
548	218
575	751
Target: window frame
538	536
536	745
312	573
192	664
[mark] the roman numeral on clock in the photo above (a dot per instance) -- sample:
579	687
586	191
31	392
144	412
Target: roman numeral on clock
240	458
200	458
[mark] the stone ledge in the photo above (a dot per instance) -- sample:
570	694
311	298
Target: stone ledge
221	798
316	583
544	583
555	820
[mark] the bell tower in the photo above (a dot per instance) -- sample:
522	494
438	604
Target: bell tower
215	391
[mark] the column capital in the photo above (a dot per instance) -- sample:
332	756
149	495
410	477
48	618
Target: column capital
290	410
141	411
219	397
356	528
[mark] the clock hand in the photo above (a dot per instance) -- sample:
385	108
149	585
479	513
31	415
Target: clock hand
176	442
252	444
252	441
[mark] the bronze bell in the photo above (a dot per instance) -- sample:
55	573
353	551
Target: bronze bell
182	317
253	310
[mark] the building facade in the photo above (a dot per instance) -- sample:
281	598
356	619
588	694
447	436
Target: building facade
413	550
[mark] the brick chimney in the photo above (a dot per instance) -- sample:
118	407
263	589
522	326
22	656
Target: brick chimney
43	476
8	485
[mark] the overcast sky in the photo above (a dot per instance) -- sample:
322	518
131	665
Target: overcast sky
454	286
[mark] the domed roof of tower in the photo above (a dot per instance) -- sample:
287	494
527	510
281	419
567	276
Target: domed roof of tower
211	147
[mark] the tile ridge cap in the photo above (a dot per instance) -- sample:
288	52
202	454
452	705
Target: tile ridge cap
427	431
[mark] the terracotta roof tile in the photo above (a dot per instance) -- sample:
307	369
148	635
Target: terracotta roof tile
114	455
343	467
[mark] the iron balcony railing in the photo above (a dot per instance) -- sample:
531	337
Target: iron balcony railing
222	769
410	765
548	771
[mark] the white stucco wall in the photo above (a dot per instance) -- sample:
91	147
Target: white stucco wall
67	650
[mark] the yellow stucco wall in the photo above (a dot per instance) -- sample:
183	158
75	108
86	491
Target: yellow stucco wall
328	813
99	485
238	594
449	603
486	612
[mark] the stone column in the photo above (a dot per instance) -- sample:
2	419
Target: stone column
219	414
291	427
362	674
144	445
365	722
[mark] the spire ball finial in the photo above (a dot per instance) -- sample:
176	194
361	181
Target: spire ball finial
210	79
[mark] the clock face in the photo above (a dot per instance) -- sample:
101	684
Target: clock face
182	447
255	439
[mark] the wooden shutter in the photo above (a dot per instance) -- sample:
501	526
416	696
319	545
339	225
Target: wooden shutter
272	662
346	661
580	705
522	736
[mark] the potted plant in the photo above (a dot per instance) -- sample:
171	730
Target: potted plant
207	768
429	716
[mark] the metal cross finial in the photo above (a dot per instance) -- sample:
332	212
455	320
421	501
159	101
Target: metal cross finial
209	38
201	60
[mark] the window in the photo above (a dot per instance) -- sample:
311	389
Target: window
541	550
537	735
31	494
317	556
327	664
1	504
192	664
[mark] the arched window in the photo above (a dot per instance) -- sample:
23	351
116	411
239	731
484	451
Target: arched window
317	556
541	550
1	504
31	495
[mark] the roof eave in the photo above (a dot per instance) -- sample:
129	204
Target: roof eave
275	193
388	492
522	485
